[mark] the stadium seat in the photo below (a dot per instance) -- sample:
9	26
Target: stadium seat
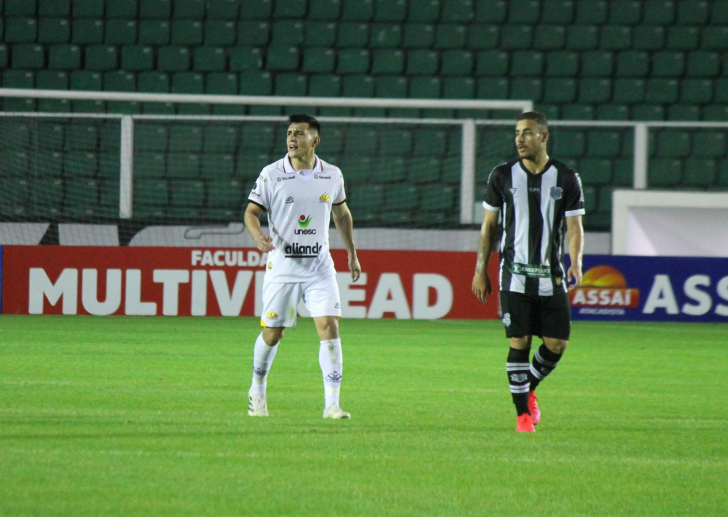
549	37
569	143
562	64
682	38
186	33
632	63
526	88
390	10
696	91
722	173
387	62
661	91
209	59
658	12
353	35
683	112
290	85
527	63
527	12
253	33
86	80
136	58
320	34
668	64
287	33
50	8
245	59
256	83
715	38
327	10
422	62
28	56
458	88
189	9
222	83
356	10
282	59
592	12
595	171
390	86
456	62
418	35
612	112
119	81
47	196
715	113
80	164
597	63
692	12
664	172
577	112
324	85
183	165
425	87
187	82
438	198
153	32
121	9
64	57
53	30
153	82
87	31
120	32
151	137
673	143
699	172
101	58
582	37
21	30
648	112
482	37
385	35
173	59
603	143
87	8
709	144
558	12
559	90
228	193
626	12
629	91
492	88
648	38
220	139
703	64
450	36
615	37
423	169
516	37
155	9
492	63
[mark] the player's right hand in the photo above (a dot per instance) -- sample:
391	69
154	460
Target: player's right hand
482	287
264	243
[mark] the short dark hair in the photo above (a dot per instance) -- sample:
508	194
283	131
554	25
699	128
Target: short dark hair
301	118
539	118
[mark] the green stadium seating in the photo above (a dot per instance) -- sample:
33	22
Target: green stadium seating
290	85
625	12
596	171
662	91
50	8
425	87
353	61
612	112
437	198
664	172
64	57
699	172
189	9
560	90
492	63
150	193
622	172
569	143
562	63
703	64
256	83
183	165
682	38
188	82
88	8
422	62
632	63
629	91
483	37
28	56
173	59
582	37
101	58
219	33
492	88
120	32
320	34
121	9
458	88
150	137
390	10
21	30
20	8
577	112
696	91
557	12
694	12
137	58
648	112
153	32
456	62
47	196
709	144
3	56
253	33
186	33
79	164
53	30
549	37
324	85
527	63
592	12
220	139
119	81
648	38
516	37
155	9
357	10
318	60
668	64
328	10
722	173
418	35
222	83
353	35
387	62
385	35
683	112
615	37
245	59
603	143
672	143
209	59
87	31
526	88
715	38
225	193
457	11
450	36
86	80
597	64
658	12
153	82
282	59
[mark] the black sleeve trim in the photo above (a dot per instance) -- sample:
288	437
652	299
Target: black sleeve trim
341	203
253	202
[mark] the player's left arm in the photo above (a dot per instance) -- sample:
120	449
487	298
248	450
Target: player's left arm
575	239
345	224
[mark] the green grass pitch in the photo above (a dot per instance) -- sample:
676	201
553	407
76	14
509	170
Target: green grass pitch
147	416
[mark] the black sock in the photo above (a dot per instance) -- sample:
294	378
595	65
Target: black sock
517	368
544	362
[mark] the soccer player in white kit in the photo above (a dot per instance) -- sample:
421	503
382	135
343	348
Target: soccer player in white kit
300	192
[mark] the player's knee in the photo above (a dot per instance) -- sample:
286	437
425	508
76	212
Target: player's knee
328	328
272	336
557	346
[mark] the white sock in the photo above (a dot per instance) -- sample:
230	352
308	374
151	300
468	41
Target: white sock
331	361
263	356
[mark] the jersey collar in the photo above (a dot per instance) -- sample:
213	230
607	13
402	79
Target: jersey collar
287	167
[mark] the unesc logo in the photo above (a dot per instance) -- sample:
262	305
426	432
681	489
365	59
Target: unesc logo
304	221
604	291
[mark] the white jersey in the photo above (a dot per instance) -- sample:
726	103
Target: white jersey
299	214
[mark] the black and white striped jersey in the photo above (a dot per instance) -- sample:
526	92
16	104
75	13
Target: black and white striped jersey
533	209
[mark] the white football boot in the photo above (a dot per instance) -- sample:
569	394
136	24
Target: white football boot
258	405
335	412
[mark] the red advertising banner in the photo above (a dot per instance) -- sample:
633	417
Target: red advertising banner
156	281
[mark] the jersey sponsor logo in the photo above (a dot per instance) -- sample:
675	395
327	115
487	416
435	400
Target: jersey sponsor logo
304	221
557	193
534	189
254	193
324	198
319	177
286	178
262	178
272	315
531	270
296	250
289	200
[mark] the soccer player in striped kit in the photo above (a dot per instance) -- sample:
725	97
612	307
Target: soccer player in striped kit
536	197
300	193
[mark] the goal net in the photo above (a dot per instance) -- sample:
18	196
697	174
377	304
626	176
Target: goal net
172	179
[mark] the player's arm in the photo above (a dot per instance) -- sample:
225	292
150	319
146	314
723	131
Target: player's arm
345	224
481	281
252	223
575	239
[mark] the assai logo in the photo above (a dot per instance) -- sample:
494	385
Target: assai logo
272	315
303	222
324	198
604	291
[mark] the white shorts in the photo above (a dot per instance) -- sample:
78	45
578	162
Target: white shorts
280	300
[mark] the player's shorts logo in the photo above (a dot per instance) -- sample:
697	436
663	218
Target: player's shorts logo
557	192
507	319
272	315
304	221
324	198
289	200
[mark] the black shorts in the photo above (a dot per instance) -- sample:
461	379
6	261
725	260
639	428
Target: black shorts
532	315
